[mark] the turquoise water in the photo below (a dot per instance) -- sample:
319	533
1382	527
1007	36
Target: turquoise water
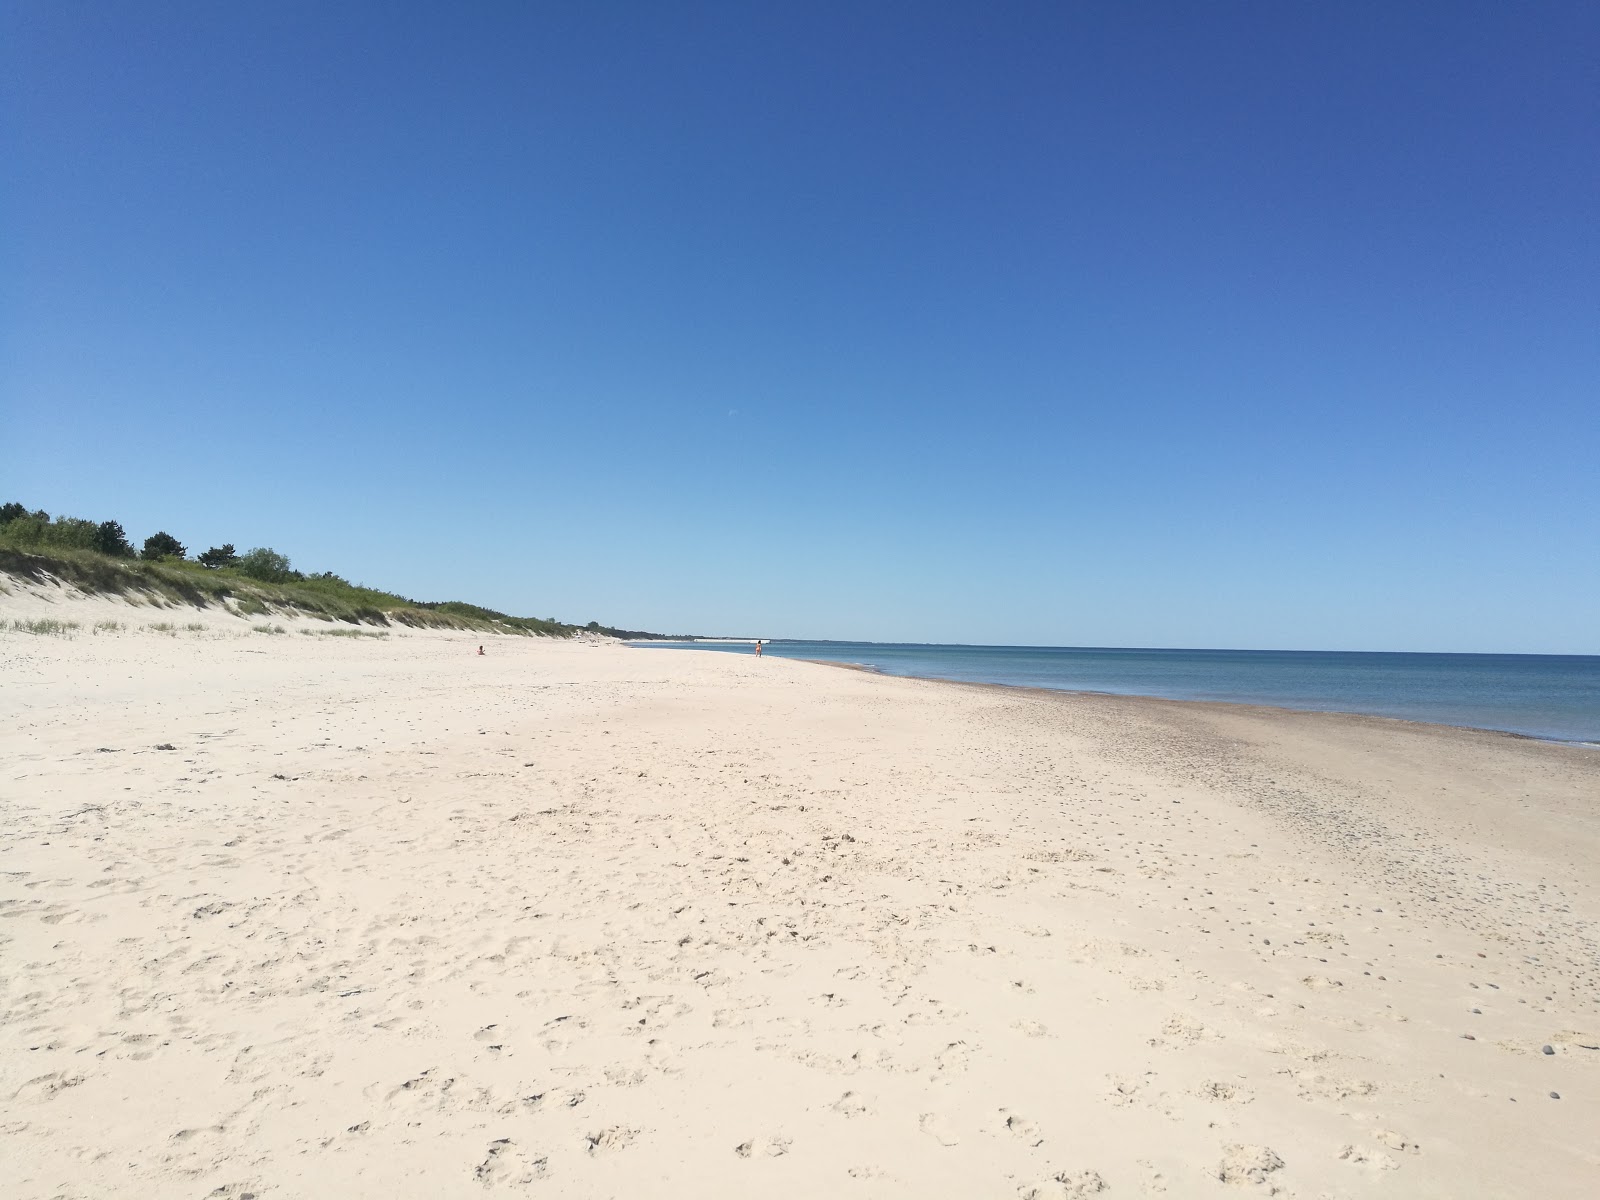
1540	695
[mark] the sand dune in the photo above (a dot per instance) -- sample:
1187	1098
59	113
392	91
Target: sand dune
299	916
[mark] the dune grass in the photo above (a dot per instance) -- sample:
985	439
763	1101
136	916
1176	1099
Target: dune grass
179	583
274	629
109	627
46	626
97	558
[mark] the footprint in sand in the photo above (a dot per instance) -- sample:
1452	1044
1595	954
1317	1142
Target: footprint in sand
938	1129
1396	1141
774	1146
553	1098
1362	1156
1065	1185
505	1164
420	1089
1155	1182
849	1105
616	1137
952	1058
1182	1029
44	1086
1020	1126
1314	1085
186	1135
1247	1164
1124	1090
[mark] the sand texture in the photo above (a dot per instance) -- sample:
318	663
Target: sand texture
306	916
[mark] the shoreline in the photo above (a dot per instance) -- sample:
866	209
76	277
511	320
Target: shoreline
1235	704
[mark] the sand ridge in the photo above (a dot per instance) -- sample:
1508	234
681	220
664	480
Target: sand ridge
392	919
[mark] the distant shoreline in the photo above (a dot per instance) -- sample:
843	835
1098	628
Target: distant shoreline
1229	705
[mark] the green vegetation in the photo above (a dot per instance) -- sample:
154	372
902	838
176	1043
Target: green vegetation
109	538
99	559
342	632
458	610
268	629
637	635
266	565
162	545
108	626
218	556
46	625
66	533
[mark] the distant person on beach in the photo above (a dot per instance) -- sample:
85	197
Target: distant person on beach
758	647
480	649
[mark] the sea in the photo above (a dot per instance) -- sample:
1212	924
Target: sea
1549	696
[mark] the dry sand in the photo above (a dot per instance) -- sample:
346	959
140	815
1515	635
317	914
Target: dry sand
389	919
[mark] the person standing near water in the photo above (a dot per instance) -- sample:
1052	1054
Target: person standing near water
758	647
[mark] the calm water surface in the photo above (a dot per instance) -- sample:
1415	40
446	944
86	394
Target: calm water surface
1545	696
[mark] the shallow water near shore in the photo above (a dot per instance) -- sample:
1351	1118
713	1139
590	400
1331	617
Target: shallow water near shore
1544	696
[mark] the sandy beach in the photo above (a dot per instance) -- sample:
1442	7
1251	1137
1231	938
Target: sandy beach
293	915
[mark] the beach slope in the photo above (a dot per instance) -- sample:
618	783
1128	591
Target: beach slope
294	915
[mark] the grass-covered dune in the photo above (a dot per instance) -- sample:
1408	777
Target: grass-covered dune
97	559
171	581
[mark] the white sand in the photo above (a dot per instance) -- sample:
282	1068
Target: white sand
581	920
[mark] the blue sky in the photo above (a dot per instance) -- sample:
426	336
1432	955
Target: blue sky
1248	325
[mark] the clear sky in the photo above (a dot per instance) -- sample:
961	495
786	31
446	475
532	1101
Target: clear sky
1247	325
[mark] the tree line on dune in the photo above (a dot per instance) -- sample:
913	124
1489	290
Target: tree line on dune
35	530
25	530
